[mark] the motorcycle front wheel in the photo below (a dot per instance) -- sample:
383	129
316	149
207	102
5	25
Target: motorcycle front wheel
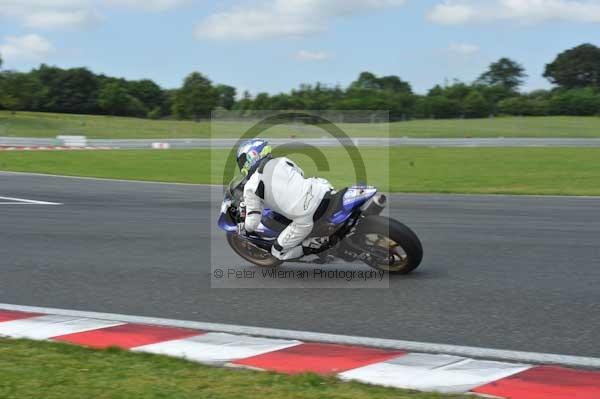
393	246
251	252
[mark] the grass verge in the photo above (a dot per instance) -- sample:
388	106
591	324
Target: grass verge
37	124
32	369
544	171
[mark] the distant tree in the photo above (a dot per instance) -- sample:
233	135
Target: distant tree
437	90
226	96
68	90
318	96
20	91
155	113
114	99
494	94
538	103
364	99
579	102
524	105
367	80
245	103
457	91
540	93
369	92
475	105
78	90
401	106
196	99
285	101
512	106
262	101
440	107
394	84
576	68
504	72
149	93
1	61
167	108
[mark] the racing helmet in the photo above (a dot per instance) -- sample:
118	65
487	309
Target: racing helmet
250	153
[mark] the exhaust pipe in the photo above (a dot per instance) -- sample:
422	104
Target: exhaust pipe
375	205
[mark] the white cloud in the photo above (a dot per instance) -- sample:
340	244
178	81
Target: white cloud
456	12
25	47
254	24
463	48
449	13
73	14
283	18
148	5
66	19
306	55
50	14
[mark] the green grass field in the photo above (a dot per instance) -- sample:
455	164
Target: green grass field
30	124
557	171
32	370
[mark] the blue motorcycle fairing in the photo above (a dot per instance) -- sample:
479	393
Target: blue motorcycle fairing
225	223
354	197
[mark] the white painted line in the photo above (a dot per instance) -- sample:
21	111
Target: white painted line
2	172
466	351
217	347
45	327
25	201
433	373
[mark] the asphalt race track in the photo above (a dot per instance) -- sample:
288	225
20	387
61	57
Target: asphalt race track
519	273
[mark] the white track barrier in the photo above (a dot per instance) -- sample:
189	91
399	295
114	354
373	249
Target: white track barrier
72	141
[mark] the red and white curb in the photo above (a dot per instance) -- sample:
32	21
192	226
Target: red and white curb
380	366
51	148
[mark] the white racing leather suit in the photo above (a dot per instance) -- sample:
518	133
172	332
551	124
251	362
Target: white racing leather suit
279	184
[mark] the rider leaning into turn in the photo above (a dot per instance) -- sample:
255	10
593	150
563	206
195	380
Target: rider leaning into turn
279	184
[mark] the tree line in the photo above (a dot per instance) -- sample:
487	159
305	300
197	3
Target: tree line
575	74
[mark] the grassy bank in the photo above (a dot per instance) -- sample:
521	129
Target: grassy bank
57	371
558	171
31	124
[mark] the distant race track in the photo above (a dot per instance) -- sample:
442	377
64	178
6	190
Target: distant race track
319	142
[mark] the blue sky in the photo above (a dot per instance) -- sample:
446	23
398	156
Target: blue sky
274	45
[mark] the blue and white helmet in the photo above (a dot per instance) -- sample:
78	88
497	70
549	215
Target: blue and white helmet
250	153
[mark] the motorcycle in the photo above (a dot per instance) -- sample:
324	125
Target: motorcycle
351	229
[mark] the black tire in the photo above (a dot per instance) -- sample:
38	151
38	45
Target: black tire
265	259
398	233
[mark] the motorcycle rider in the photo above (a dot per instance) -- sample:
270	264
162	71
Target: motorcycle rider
279	184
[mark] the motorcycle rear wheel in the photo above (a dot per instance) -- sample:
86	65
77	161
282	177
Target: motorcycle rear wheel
394	246
250	252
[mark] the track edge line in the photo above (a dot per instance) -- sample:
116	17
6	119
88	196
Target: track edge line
467	351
